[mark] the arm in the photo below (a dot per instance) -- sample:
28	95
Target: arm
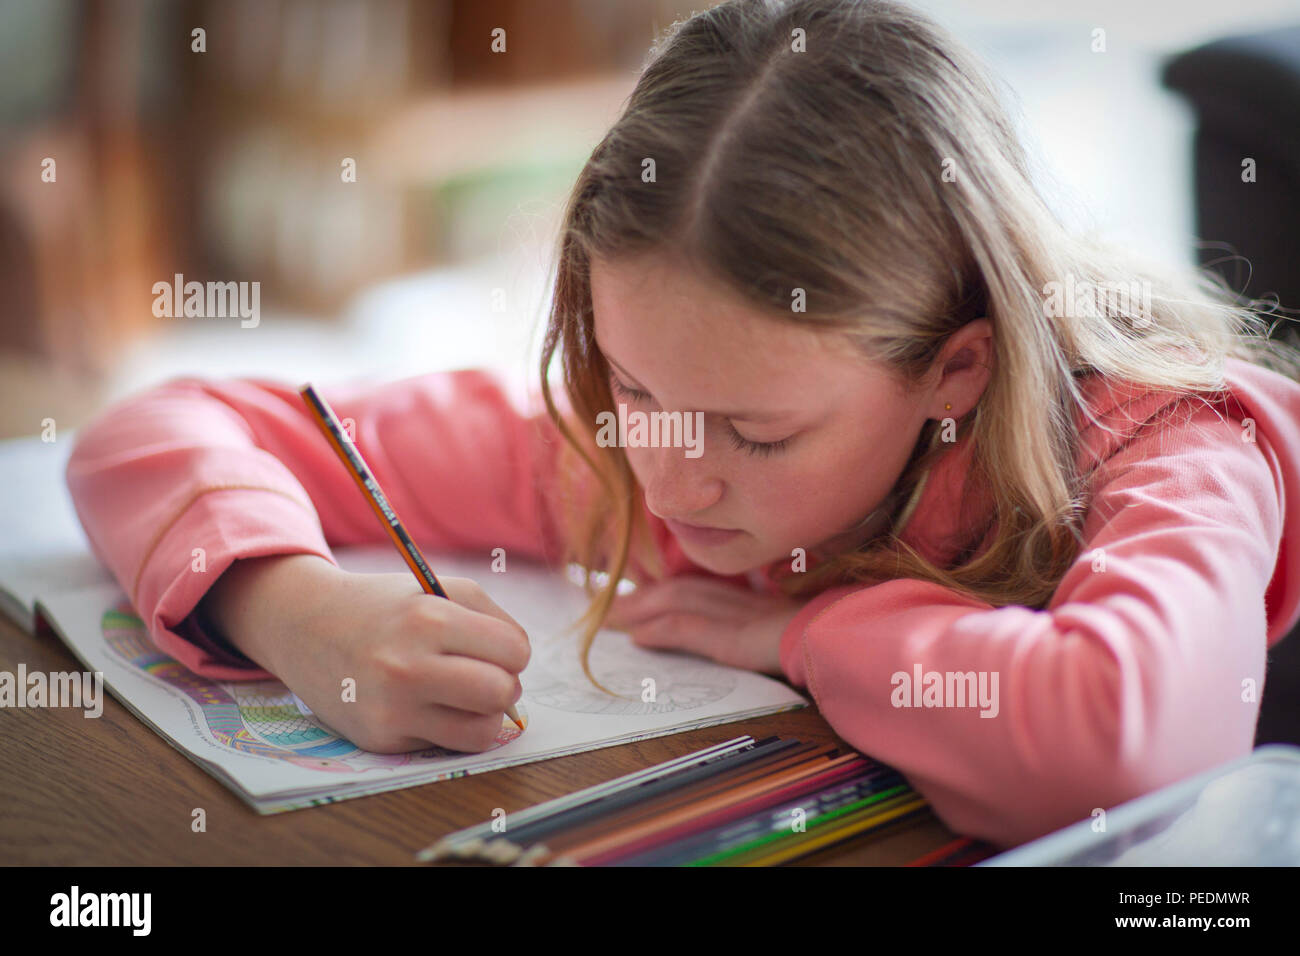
1130	679
175	484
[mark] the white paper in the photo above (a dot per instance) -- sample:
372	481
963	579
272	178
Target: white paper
252	735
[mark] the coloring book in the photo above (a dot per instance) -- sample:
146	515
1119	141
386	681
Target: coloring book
259	739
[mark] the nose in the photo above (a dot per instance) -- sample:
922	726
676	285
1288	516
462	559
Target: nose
676	486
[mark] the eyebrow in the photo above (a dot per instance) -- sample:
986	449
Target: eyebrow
741	416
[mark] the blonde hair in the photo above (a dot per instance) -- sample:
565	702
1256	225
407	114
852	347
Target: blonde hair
824	170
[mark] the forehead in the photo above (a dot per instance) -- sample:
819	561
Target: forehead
674	330
651	299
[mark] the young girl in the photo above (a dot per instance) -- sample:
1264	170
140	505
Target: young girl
1022	534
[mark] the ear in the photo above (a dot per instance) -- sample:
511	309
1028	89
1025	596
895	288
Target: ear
965	365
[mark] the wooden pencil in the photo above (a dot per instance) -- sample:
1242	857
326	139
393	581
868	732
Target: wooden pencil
732	802
766	825
533	832
478	834
792	846
764	813
934	857
361	474
688	795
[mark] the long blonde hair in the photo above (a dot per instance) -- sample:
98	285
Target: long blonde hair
875	170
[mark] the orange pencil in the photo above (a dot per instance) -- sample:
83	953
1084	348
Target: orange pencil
361	474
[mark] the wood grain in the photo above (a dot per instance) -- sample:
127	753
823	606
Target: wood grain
111	792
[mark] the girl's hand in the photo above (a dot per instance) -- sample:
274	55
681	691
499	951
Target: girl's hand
733	625
428	670
423	669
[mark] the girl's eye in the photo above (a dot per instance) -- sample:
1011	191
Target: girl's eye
755	447
738	440
631	393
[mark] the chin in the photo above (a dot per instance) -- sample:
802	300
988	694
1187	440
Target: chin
719	560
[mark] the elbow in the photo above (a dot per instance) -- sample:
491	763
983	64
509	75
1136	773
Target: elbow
1135	745
1086	755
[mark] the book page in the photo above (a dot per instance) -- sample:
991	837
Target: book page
43	549
256	737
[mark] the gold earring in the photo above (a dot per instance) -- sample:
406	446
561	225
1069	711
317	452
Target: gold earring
947	405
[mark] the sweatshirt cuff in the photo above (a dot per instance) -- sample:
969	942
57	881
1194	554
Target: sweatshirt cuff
199	631
217	529
793	663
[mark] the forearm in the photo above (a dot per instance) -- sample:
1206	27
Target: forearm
257	603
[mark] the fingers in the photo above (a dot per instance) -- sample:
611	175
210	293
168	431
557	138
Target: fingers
671	630
488	635
463	683
716	599
469	593
460	729
449	701
685	631
442	726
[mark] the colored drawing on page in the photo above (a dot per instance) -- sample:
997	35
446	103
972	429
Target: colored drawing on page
258	718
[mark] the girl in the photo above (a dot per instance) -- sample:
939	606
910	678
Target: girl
1021	533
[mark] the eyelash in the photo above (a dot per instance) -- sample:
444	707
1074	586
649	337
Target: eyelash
737	440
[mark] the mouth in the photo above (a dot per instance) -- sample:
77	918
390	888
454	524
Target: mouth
701	534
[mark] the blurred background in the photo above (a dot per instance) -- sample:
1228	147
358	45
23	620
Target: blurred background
393	182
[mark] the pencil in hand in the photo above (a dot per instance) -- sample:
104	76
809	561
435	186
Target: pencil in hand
351	458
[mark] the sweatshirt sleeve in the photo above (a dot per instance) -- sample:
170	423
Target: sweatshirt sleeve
174	484
1146	666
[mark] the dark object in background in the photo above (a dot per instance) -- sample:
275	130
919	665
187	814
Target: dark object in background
1279	711
1246	93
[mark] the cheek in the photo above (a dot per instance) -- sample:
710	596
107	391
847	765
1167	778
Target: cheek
828	488
638	461
771	486
783	497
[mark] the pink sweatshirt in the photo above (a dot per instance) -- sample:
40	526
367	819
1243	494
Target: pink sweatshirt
1138	673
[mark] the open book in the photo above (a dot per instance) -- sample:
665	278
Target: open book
262	742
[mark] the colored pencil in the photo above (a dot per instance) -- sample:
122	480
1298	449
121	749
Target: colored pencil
533	832
768	825
462	842
963	852
870	817
728	804
936	857
759	818
361	474
686	797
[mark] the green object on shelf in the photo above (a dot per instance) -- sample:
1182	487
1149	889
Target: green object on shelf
475	212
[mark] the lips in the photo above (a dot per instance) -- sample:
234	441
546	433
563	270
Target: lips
697	527
700	534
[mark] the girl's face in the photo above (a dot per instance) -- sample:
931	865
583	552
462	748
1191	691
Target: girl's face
803	436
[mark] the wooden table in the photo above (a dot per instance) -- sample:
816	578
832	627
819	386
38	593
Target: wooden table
67	799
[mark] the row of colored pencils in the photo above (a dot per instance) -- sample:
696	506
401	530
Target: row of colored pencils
740	803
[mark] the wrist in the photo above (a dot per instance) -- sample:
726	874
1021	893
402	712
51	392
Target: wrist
256	606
